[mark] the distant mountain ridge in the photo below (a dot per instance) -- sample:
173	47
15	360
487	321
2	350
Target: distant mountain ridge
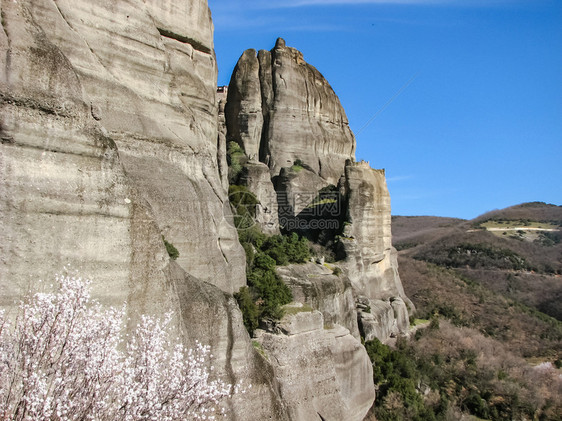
486	337
514	255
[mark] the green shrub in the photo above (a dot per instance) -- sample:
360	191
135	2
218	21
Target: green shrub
244	204
253	236
272	293
236	158
396	375
549	239
172	251
250	311
476	256
285	249
297	165
266	292
405	246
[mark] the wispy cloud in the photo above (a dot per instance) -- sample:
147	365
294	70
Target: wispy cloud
399	178
287	15
287	4
303	3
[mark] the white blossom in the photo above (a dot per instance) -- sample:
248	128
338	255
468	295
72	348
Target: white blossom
65	357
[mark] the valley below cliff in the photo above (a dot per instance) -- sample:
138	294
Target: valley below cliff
487	300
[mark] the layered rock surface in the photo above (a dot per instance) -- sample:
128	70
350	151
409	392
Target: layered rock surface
280	109
108	128
323	373
148	80
316	286
366	245
108	124
255	176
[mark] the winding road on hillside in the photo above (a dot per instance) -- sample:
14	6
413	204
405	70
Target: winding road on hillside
521	229
515	229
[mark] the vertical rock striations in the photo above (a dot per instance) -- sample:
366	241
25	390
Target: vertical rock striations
366	246
323	373
149	80
108	125
316	285
63	186
303	136
244	117
282	112
109	141
280	109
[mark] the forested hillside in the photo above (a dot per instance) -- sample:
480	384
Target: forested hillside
487	294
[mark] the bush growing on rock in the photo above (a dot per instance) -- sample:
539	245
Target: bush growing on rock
287	249
236	159
65	357
171	249
243	203
266	292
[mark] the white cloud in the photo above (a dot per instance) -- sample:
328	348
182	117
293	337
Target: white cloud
286	4
301	3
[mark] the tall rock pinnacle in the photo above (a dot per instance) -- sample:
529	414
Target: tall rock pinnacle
280	109
285	115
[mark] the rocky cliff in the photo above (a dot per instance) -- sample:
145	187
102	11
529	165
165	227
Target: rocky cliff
324	373
109	144
370	259
283	112
281	109
126	70
108	127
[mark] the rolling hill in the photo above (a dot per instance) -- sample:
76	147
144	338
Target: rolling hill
488	292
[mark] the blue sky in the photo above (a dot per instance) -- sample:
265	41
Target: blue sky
477	124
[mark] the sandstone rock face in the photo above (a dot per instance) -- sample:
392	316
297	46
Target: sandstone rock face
301	117
63	187
303	137
221	137
108	129
207	312
322	373
256	177
370	260
244	105
297	187
109	140
148	80
382	319
316	285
